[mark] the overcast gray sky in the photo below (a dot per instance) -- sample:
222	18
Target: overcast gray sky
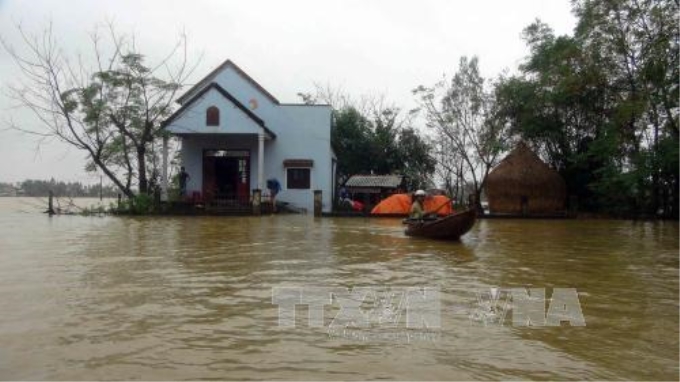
376	47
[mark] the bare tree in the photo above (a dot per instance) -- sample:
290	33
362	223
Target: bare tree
460	112
338	99
450	167
111	106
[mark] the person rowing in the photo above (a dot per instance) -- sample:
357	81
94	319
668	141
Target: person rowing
418	206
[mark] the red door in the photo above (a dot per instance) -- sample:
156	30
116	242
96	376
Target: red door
226	174
209	181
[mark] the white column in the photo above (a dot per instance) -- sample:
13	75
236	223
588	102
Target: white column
164	170
260	161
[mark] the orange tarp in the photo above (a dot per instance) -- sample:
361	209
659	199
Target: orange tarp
400	204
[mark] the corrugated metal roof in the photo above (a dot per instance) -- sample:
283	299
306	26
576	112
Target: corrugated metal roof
383	181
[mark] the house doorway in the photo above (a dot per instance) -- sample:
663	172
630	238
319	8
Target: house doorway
226	174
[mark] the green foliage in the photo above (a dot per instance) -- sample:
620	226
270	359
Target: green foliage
602	105
382	144
95	210
112	110
133	103
351	141
417	163
141	204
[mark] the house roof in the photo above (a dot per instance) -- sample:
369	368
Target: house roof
211	76
226	95
381	181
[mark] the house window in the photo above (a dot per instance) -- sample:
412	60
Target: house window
298	178
212	116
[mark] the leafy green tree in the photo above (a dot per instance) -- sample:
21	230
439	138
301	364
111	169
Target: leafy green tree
351	142
371	137
558	106
637	41
417	162
385	155
602	105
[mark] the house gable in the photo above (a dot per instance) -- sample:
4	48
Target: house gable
234	117
213	77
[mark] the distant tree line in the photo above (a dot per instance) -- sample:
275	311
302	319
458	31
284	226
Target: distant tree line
32	187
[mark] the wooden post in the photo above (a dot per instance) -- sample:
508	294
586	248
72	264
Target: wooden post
257	202
120	197
318	199
164	170
50	204
260	161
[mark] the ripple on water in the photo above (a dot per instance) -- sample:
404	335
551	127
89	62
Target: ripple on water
191	298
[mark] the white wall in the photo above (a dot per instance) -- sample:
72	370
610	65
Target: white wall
306	136
232	119
302	132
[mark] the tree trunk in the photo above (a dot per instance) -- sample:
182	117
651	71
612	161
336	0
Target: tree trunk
478	202
113	178
655	171
141	166
675	207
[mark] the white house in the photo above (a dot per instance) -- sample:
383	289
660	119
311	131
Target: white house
235	135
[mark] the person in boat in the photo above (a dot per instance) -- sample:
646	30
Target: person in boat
418	206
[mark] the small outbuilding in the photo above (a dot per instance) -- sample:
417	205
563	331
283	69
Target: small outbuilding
371	189
374	184
522	184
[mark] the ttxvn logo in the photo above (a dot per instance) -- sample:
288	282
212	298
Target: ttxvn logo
361	307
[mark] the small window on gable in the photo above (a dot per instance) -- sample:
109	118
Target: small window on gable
212	116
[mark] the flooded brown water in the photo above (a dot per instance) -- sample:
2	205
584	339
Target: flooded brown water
191	298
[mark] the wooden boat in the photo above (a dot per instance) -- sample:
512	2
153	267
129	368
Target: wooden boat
450	227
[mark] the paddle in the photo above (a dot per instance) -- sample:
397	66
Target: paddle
438	208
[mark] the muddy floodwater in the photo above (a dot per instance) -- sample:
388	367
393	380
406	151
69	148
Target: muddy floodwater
191	298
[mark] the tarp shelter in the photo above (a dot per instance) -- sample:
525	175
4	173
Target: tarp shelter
400	204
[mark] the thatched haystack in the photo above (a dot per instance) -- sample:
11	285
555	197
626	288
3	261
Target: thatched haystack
523	184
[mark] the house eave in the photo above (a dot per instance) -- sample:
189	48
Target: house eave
207	79
226	95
